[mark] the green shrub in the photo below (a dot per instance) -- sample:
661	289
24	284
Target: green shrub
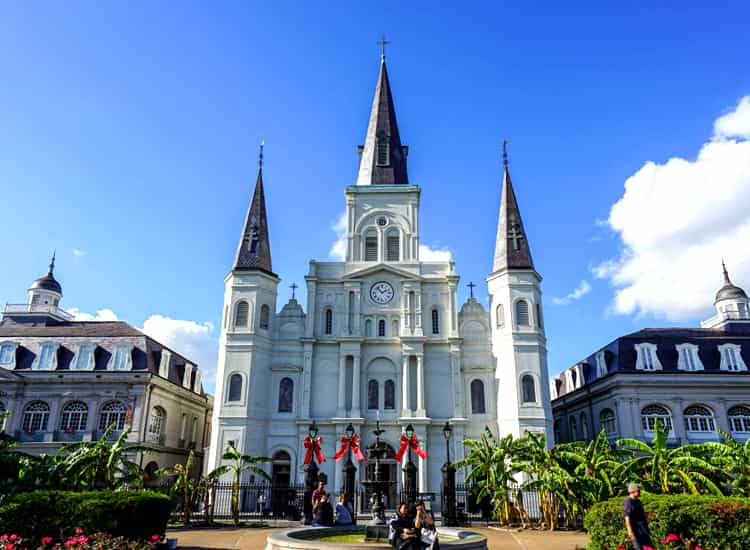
712	522
134	515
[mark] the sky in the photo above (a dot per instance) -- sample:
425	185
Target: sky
129	135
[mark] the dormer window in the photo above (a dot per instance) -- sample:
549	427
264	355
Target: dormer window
687	357
47	357
384	151
601	364
166	357
121	358
647	358
85	357
8	355
187	376
731	358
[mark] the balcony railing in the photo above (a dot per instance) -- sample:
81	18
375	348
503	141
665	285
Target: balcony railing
37	435
47	309
64	435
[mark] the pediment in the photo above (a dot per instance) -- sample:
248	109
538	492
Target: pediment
381	268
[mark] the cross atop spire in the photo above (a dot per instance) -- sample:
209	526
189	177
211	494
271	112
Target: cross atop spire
471	289
383	42
294	287
382	159
512	249
254	250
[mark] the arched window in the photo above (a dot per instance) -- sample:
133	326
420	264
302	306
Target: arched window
499	316
607	422
264	313
368	328
522	313
241	313
113	412
573	430
653	414
389	397
584	427
477	397
381	327
235	388
74	417
35	417
435	321
371	246
528	389
329	321
698	419
157	423
392	248
739	419
557	431
372	394
286	395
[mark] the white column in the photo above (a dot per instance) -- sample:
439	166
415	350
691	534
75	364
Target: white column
422	464
310	323
340	411
420	385
405	409
356	390
307	374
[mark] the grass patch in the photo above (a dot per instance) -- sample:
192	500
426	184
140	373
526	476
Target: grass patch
350	538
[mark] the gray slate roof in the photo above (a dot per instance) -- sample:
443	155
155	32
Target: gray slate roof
254	250
512	250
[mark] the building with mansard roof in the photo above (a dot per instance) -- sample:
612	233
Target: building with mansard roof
382	334
695	380
64	380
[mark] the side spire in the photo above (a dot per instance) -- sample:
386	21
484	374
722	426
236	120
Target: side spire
382	159
254	250
512	249
52	263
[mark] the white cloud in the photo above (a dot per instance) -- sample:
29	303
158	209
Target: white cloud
77	252
428	254
580	291
193	340
338	250
677	220
101	315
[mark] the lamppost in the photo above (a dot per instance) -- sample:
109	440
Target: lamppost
449	481
311	475
350	470
410	470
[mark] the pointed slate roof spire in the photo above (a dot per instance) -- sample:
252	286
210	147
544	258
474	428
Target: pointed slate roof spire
512	249
382	159
254	250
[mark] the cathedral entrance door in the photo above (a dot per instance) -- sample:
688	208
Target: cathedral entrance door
280	476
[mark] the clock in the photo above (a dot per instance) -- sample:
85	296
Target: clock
381	292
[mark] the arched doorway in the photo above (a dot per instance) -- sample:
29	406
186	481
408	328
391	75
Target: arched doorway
281	469
388	472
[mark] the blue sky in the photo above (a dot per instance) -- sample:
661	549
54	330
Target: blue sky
129	133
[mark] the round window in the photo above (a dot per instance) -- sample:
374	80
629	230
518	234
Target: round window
382	220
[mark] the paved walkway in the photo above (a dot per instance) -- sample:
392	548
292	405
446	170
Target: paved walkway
498	539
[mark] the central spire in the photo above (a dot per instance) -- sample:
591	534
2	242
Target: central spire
382	159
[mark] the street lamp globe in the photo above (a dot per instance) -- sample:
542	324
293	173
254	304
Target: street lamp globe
349	431
447	431
313	430
409	431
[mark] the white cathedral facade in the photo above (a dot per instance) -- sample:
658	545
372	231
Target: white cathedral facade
382	336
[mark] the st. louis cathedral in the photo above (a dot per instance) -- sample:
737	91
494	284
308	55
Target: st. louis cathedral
382	335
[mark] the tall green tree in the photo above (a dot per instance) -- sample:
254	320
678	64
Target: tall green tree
662	469
492	467
237	464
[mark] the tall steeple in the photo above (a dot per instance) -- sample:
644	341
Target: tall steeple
382	159
254	250
512	249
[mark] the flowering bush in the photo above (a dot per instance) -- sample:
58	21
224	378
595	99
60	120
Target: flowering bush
80	541
677	522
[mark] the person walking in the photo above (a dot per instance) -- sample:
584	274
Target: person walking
635	518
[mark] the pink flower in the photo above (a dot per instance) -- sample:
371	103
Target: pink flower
4	538
14	537
46	540
155	537
10	546
78	531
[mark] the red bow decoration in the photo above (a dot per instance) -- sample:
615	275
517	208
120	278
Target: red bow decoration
413	443
345	442
313	446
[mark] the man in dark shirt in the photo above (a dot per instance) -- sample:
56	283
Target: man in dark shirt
635	518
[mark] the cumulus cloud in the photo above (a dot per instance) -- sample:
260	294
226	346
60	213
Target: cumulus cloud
580	291
429	254
338	250
77	252
101	315
677	220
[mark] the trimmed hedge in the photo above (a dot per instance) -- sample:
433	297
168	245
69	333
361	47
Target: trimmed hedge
134	515
712	522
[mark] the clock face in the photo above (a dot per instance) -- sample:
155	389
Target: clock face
381	292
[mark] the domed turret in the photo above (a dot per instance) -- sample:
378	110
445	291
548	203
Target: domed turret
46	290
731	302
729	291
